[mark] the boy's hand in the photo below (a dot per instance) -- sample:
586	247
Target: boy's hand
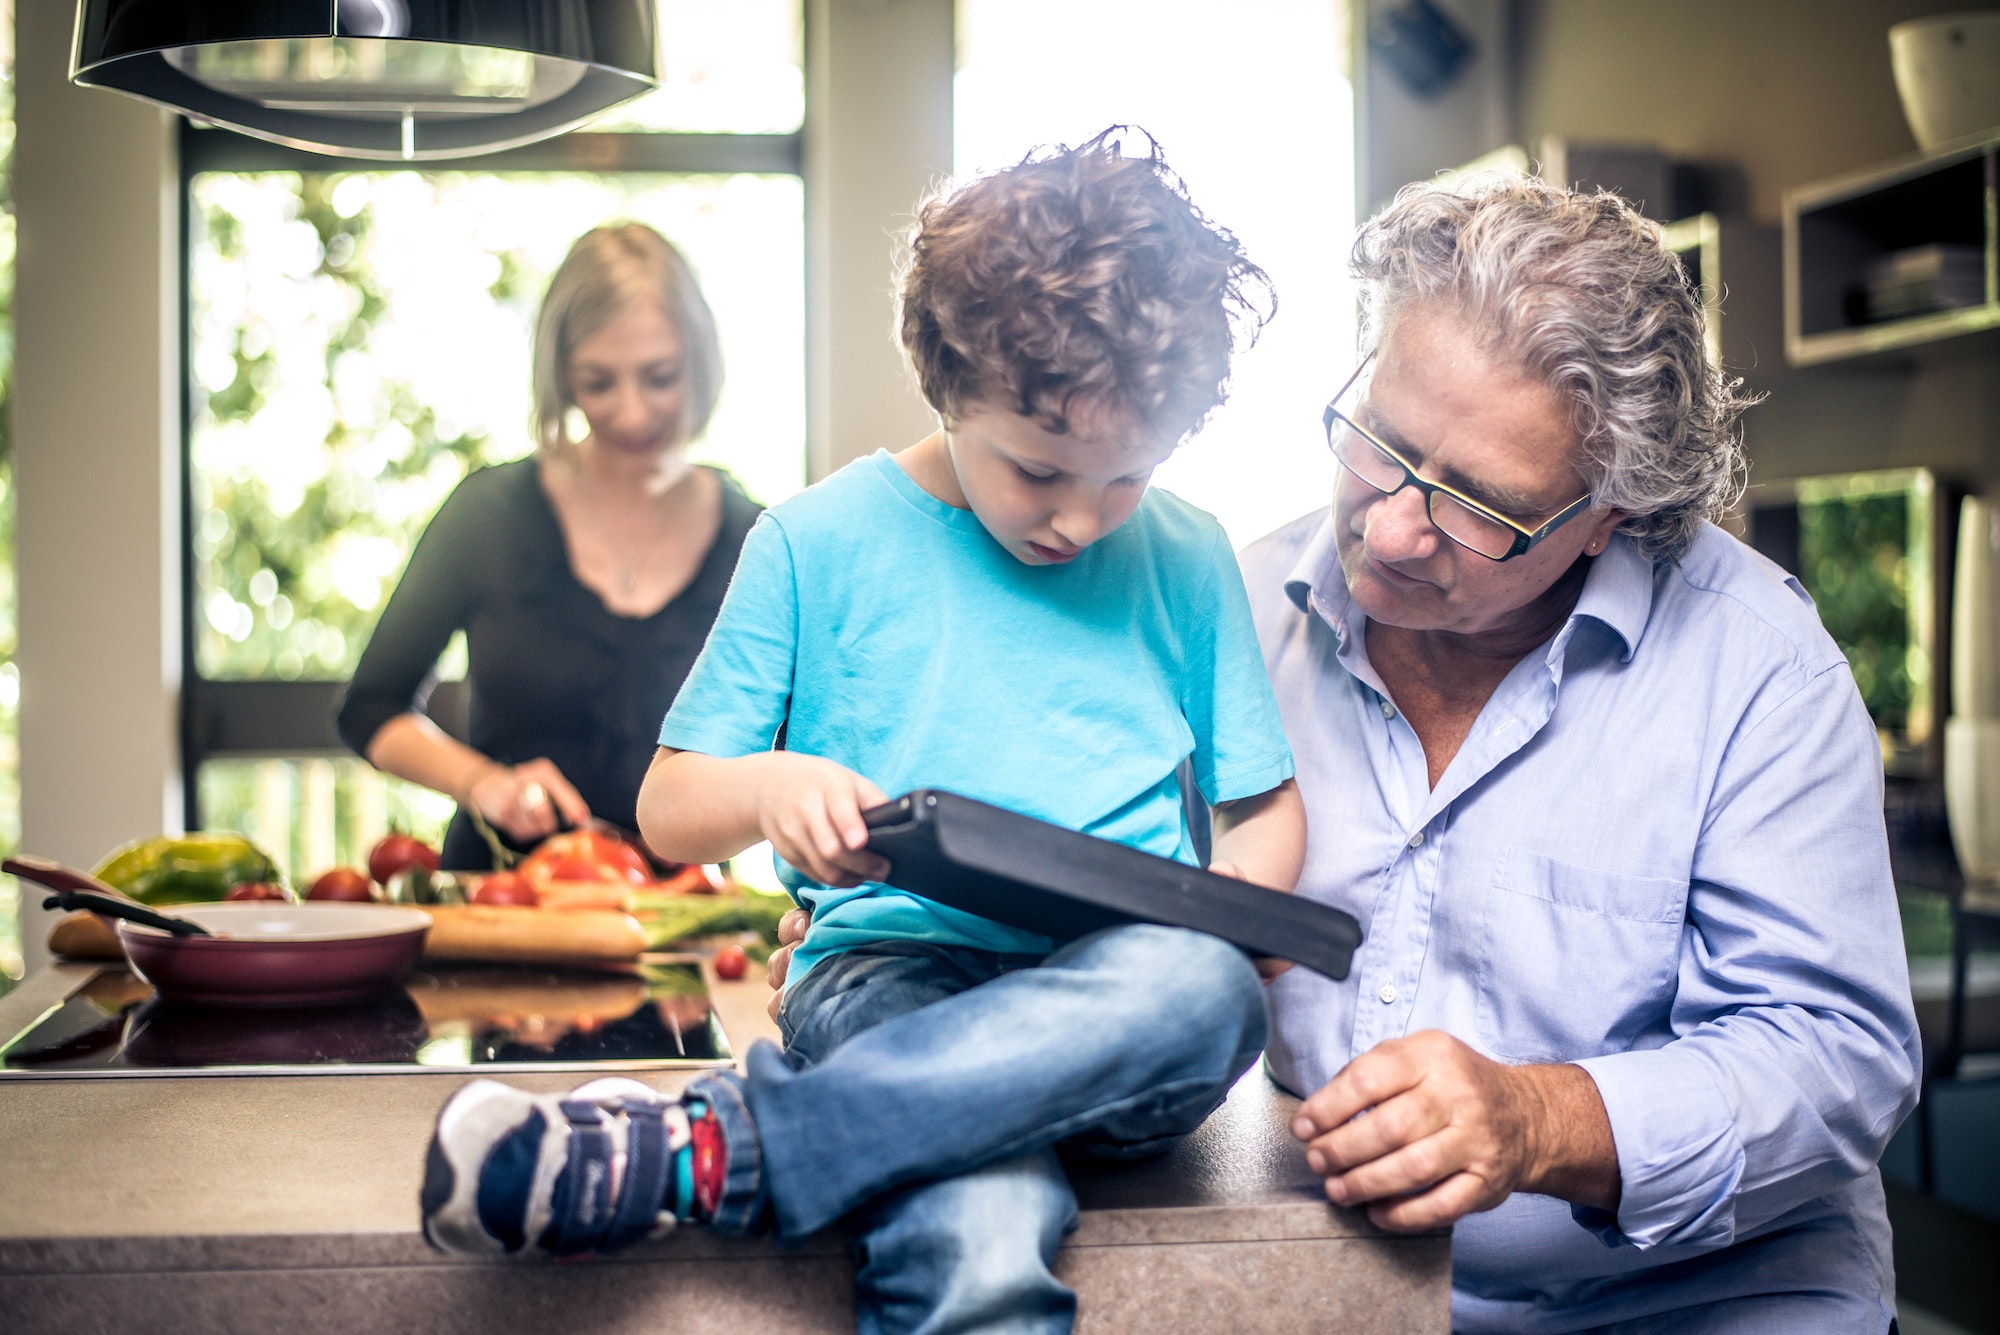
810	809
1268	966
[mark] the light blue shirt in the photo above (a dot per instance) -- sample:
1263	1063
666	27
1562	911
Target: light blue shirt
1659	854
889	632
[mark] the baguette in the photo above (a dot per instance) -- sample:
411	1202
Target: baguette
497	932
85	936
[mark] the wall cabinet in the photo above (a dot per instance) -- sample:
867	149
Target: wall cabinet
1899	257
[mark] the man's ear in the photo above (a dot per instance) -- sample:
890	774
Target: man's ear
1602	525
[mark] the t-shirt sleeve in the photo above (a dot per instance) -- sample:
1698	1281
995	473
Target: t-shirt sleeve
1239	742
740	690
433	599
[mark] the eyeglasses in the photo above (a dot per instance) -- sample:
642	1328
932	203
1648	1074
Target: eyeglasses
1454	514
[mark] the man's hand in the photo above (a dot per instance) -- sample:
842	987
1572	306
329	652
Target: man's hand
1448	1132
810	809
791	931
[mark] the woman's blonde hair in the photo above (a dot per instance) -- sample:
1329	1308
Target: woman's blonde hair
607	272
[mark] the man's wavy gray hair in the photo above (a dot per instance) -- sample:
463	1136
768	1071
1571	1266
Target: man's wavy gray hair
1579	289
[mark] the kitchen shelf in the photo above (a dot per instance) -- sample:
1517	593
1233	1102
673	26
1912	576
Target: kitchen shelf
1837	231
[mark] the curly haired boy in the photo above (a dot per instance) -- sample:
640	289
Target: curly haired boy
1004	610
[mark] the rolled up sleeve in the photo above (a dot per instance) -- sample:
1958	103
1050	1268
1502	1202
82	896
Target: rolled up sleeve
1794	1052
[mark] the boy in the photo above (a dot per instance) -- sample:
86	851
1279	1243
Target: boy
1002	610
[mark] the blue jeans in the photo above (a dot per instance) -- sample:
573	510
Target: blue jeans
924	1090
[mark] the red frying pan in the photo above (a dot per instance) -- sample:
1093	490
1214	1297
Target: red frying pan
248	954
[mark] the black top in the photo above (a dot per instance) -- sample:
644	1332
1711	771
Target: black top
552	671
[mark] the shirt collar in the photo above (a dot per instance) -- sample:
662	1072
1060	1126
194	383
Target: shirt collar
1617	593
1315	582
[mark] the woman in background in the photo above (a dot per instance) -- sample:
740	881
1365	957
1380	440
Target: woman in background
585	576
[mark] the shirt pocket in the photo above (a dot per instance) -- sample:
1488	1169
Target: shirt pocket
1578	962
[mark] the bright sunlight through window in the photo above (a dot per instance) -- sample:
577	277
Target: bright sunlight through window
1252	107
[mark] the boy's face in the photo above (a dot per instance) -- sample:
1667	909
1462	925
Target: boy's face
1046	497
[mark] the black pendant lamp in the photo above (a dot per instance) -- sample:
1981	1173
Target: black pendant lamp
400	79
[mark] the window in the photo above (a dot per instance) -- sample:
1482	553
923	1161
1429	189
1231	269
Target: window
1253	109
358	340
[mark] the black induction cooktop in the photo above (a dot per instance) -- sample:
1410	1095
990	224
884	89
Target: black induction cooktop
471	1018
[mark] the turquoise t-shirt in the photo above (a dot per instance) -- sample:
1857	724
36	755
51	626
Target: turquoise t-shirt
889	632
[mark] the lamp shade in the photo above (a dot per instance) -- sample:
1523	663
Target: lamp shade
397	79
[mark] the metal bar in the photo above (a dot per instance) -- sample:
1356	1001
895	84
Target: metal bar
287	717
213	149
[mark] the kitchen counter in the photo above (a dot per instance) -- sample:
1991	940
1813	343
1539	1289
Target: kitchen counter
206	1204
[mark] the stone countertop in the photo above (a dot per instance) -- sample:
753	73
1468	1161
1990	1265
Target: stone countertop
210	1176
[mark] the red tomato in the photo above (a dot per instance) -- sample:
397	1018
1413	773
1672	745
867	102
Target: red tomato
586	855
397	851
341	883
577	868
731	962
691	879
256	890
505	887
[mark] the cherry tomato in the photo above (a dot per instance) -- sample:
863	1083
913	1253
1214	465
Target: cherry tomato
731	962
505	887
257	890
397	851
341	884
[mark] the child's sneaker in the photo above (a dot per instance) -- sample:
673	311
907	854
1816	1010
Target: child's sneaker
594	1170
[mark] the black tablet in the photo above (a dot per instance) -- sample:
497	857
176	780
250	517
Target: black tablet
1043	878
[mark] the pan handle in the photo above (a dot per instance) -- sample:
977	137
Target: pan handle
79	890
73	900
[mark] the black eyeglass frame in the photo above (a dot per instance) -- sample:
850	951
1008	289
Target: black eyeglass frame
1524	538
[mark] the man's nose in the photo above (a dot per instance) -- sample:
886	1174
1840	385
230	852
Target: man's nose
1399	528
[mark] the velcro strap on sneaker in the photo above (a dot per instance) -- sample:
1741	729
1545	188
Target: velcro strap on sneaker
648	1164
580	1209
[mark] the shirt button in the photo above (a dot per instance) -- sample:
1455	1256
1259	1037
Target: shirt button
1388	710
1417	839
1388	994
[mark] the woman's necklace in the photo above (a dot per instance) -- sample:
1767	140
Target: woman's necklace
630	564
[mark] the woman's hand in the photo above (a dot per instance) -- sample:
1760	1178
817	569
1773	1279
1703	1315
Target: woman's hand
810	809
527	802
791	931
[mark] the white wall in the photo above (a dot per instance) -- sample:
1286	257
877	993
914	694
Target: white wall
878	134
96	407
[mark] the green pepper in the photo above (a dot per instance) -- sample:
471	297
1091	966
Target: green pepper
185	868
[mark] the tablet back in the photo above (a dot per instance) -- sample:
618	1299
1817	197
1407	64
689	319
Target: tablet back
1043	878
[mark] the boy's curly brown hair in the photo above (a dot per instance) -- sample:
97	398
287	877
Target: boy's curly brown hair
1078	278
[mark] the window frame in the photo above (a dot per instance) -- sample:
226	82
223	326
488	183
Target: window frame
252	718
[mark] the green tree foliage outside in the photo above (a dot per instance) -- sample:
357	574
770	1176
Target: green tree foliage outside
1855	557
